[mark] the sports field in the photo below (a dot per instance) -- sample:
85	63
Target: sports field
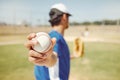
100	62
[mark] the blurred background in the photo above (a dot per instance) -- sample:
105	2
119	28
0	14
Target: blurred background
96	22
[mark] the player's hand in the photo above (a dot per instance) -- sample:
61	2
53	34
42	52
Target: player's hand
36	57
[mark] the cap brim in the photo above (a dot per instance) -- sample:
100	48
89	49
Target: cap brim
69	14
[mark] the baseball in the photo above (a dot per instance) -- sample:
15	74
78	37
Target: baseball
44	42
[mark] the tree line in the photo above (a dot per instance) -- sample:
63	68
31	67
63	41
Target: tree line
75	23
102	22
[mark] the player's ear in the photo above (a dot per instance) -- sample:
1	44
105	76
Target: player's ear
64	17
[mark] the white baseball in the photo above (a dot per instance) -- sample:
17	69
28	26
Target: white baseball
44	42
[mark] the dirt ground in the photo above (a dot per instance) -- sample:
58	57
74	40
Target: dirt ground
16	35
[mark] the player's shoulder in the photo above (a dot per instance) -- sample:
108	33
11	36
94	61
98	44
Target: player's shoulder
54	34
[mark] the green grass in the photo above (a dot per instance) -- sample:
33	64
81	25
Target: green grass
14	63
100	62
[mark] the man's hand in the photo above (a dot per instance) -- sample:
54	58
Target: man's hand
45	59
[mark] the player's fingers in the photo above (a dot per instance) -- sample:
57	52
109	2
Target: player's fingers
30	43
31	59
53	41
40	61
34	54
31	35
35	60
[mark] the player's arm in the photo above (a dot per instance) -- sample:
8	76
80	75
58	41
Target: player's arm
51	60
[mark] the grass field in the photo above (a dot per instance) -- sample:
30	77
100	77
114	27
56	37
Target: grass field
101	62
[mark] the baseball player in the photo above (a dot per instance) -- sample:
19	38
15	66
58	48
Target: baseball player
55	64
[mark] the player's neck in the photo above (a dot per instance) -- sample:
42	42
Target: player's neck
59	29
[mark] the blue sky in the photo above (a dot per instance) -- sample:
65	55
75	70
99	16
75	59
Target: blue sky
36	11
